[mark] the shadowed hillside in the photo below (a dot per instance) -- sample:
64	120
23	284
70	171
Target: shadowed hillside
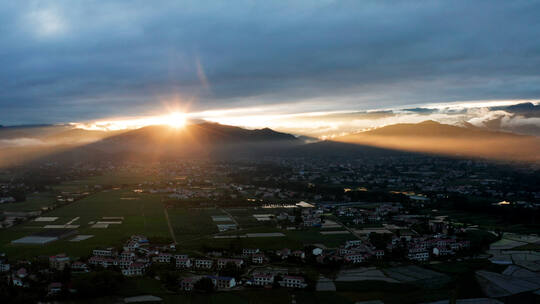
433	137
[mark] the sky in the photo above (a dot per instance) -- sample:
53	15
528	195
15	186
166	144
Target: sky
241	62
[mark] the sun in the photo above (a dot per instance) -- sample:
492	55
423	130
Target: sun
176	120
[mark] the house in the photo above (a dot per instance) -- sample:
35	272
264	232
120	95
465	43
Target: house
4	267
263	279
317	251
163	258
353	243
418	254
17	281
181	256
21	273
79	266
249	251
59	261
135	269
299	254
132	245
109	252
354	258
128	255
258	258
223	262
188	284
223	282
293	282
103	261
442	251
183	263
54	288
283	253
204	263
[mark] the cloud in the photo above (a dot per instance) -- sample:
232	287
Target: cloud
90	59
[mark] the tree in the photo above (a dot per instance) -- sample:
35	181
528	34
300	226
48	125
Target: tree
96	284
231	270
205	285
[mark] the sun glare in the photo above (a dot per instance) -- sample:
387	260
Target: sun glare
176	120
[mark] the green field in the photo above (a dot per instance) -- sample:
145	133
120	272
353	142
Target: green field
33	202
143	215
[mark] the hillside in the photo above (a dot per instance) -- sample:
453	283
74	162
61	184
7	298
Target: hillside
434	137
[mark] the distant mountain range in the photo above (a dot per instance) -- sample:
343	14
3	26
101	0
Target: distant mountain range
152	142
433	137
216	141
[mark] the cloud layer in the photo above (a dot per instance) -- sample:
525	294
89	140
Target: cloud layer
68	61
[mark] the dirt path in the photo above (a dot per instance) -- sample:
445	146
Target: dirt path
171	231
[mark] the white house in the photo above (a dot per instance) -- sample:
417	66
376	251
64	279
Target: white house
183	263
293	282
317	251
135	269
263	279
204	263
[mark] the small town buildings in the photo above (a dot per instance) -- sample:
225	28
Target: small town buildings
317	251
59	261
263	279
283	253
21	273
135	269
293	282
163	258
258	258
354	258
183	263
54	288
4	267
204	263
299	254
223	282
79	266
188	284
221	263
249	251
108	252
418	254
17	281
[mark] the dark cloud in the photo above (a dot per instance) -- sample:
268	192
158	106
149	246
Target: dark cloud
526	109
68	61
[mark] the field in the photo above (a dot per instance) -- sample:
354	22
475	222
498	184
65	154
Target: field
143	215
33	202
195	230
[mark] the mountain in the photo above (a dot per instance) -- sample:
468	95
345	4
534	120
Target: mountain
30	131
434	137
153	143
78	136
215	141
195	140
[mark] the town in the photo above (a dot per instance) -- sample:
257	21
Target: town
259	226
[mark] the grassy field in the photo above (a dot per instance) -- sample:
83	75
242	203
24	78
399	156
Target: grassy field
142	215
312	236
33	202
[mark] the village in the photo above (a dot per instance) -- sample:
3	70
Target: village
253	267
224	228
